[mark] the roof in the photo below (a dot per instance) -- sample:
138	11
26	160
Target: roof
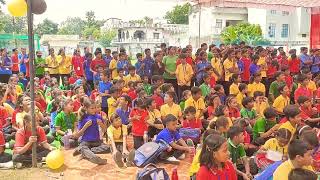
270	4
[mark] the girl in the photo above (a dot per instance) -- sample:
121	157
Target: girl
185	95
214	160
223	110
88	129
234	87
256	85
213	102
221	126
64	67
154	121
230	67
138	116
232	104
201	67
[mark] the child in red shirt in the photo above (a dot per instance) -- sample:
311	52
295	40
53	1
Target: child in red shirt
73	78
214	102
294	64
303	90
157	97
190	121
138	117
132	90
307	112
245	76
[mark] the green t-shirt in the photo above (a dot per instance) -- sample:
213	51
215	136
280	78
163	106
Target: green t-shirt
210	56
65	121
21	85
205	89
39	61
246	113
262	125
170	63
182	104
236	152
148	89
274	88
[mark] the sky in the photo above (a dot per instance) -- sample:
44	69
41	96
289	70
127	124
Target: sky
59	10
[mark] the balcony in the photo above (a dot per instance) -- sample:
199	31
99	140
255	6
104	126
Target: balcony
140	41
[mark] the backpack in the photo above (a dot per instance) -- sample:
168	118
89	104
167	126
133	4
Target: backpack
267	174
148	153
189	133
151	172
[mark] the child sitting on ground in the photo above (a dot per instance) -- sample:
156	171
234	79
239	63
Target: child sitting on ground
243	89
4	157
185	95
247	111
282	100
221	125
308	114
190	120
154	121
170	135
302	174
260	103
292	114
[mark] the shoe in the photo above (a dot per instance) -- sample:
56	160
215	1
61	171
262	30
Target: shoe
18	165
98	160
7	165
172	160
76	152
190	143
118	159
182	157
130	159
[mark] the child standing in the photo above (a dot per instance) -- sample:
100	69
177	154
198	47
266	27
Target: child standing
184	74
254	68
113	101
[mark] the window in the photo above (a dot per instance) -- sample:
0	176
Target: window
218	23
272	30
156	35
303	35
285	13
273	12
285	30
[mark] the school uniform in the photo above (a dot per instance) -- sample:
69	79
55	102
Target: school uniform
4	157
184	73
139	126
169	137
228	172
281	102
117	134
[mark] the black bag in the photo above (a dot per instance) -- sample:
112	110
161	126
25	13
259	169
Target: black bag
151	172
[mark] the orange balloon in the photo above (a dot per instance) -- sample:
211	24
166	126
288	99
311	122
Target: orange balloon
17	8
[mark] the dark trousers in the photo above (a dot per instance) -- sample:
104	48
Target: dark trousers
137	142
226	86
5	157
174	152
180	91
154	131
89	149
27	157
173	82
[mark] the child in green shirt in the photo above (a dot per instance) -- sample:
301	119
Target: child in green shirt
247	111
205	88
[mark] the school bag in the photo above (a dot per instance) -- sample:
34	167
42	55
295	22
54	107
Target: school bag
267	174
189	133
149	152
152	172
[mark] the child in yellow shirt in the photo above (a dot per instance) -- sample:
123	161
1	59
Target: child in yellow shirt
234	87
283	100
260	103
243	89
184	74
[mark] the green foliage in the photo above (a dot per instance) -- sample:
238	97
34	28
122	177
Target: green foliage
47	27
179	15
106	37
249	33
72	26
92	26
9	24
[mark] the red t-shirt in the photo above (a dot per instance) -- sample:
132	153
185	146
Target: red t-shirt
77	63
234	112
194	124
289	81
14	114
158	100
94	94
2	141
76	105
15	62
227	173
306	113
302	91
139	126
211	110
72	80
42	105
97	62
294	65
245	76
189	60
247	139
271	71
212	82
3	117
22	137
132	94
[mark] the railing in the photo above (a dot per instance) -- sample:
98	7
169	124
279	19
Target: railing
138	40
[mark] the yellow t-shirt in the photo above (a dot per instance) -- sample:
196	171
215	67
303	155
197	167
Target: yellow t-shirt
256	87
195	166
311	85
8	108
184	74
113	65
287	125
273	145
262	62
282	172
227	64
281	102
217	65
64	65
52	62
155	114
19	90
199	105
111	109
260	108
239	98
234	89
116	133
118	78
129	78
174	110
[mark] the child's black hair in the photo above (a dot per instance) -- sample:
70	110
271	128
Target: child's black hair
296	148
234	131
283	133
234	77
126	98
257	94
302	174
114	117
281	88
211	98
139	102
195	90
270	113
120	69
301	78
291	111
148	102
242	86
242	122
113	90
169	118
138	55
302	99
246	101
311	138
131	68
205	76
207	133
190	109
220	122
277	74
217	87
219	110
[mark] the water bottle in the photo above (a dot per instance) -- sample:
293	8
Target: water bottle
66	141
174	175
145	137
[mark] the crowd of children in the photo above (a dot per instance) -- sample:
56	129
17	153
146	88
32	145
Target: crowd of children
253	106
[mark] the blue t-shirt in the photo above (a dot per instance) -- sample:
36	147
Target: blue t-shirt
6	62
253	69
87	71
240	66
315	65
52	122
303	59
123	64
103	87
24	81
92	132
23	67
201	66
97	78
124	115
168	136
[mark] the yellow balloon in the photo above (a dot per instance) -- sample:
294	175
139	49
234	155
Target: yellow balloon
55	159
17	8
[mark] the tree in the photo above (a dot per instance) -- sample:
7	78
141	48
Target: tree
9	24
72	26
106	37
179	14
92	26
47	27
249	33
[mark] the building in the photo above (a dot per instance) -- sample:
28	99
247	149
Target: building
284	23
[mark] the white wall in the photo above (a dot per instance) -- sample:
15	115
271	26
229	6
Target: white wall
258	16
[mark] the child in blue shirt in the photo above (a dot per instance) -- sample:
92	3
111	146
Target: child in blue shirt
171	136
123	63
88	131
254	66
104	88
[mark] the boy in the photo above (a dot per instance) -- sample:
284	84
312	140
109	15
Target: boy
292	113
123	63
132	76
219	90
73	78
283	100
243	89
260	103
184	74
171	136
104	88
303	90
190	120
140	64
237	151
120	74
146	85
132	93
254	68
265	126
300	156
302	174
247	111
196	101
274	87
123	111
23	80
157	96
307	112
97	76
113	65
170	107
112	101
205	88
